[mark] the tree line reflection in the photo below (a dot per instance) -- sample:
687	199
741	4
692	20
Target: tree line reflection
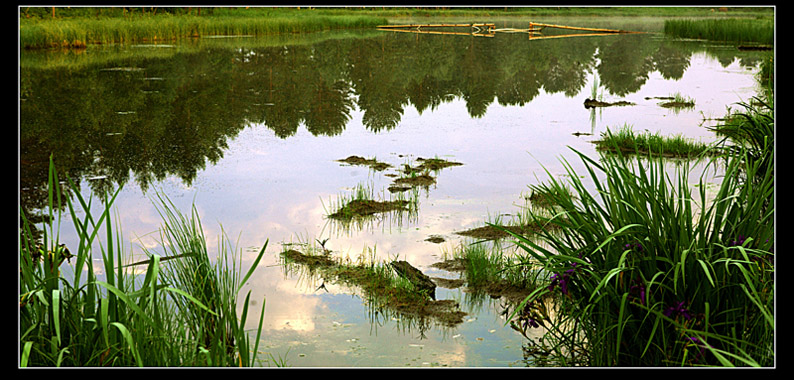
144	119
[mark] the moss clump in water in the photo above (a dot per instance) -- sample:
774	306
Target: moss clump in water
492	232
422	180
365	207
371	163
434	164
383	287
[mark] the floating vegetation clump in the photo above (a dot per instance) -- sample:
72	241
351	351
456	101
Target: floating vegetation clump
434	164
678	101
495	232
363	204
423	180
371	163
626	140
365	207
384	288
593	103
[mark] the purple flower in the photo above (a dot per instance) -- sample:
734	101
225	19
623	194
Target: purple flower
739	241
636	246
530	322
677	310
637	290
563	279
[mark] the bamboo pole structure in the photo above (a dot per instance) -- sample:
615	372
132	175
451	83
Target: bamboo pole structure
531	37
533	24
490	26
439	32
490	29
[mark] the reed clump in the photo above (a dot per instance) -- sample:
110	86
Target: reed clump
739	30
45	33
626	140
647	273
182	311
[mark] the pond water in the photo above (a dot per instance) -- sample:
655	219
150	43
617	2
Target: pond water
250	131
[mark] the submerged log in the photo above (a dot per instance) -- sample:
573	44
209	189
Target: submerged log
415	276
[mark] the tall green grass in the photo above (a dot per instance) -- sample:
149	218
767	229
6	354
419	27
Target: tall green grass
626	140
43	33
727	30
648	273
178	313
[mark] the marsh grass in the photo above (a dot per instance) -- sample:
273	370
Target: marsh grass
118	318
362	204
678	102
77	32
737	30
492	263
626	140
642	279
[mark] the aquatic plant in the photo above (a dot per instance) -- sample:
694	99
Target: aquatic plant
362	204
649	274
114	317
383	288
67	32
760	30
626	140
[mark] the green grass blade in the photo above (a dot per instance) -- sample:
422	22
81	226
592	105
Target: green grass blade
124	297
191	298
259	327
128	337
23	361
56	313
253	266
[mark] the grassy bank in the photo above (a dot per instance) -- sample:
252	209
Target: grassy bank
182	311
42	27
760	31
79	31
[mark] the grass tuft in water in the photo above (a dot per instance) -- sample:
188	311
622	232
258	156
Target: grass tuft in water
626	140
760	30
362	204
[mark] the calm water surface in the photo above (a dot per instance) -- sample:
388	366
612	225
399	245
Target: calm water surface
249	130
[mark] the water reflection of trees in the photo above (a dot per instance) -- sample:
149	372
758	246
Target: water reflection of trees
148	118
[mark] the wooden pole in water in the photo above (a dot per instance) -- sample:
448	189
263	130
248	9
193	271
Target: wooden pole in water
490	26
531	37
439	32
532	24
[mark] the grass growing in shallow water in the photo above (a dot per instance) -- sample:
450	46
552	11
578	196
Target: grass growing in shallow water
161	319
362	204
626	140
726	30
648	274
